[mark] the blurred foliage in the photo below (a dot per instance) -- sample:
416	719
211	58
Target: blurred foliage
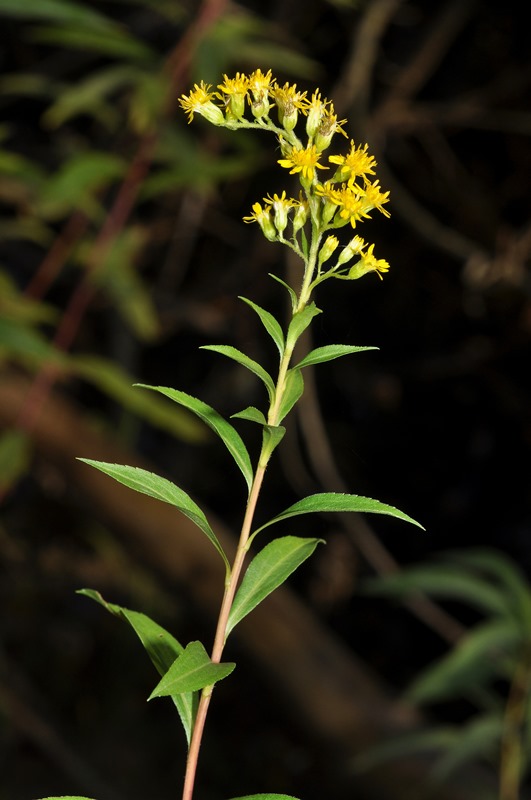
489	667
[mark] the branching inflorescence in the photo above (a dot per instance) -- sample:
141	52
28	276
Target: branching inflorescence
347	197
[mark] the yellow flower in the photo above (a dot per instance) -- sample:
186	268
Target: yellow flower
303	160
289	102
236	91
357	162
369	263
263	217
374	198
260	86
199	101
281	206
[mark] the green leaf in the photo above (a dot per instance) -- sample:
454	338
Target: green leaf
266	796
329	352
252	414
245	361
192	671
226	432
300	322
66	796
332	501
272	436
292	392
270	324
162	648
443	580
268	570
476	658
140	480
110	378
292	296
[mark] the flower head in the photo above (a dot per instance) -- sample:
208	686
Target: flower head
263	217
199	101
281	206
369	263
235	91
355	164
303	160
289	102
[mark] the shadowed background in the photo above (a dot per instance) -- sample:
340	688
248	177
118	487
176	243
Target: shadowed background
122	250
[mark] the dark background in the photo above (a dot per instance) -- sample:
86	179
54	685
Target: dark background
436	422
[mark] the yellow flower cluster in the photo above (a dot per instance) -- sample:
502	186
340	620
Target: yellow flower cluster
348	196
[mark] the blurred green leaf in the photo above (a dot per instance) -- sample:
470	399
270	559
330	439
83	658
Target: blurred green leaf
443	580
76	183
24	344
480	655
267	571
65	11
193	670
228	435
92	96
15	305
162	649
111	41
498	568
15	451
479	738
140	480
266	796
120	280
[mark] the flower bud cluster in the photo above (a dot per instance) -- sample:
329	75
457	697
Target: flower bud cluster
348	196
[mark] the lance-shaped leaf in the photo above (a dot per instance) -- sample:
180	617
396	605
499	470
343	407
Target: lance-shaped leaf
333	501
162	648
329	352
161	489
226	432
270	324
300	322
192	671
252	414
67	797
266	796
292	392
292	296
268	570
245	361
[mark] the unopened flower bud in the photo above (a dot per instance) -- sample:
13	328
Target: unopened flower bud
328	248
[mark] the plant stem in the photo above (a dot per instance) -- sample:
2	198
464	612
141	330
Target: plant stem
512	732
239	559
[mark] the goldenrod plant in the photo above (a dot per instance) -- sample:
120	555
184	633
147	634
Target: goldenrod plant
339	194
